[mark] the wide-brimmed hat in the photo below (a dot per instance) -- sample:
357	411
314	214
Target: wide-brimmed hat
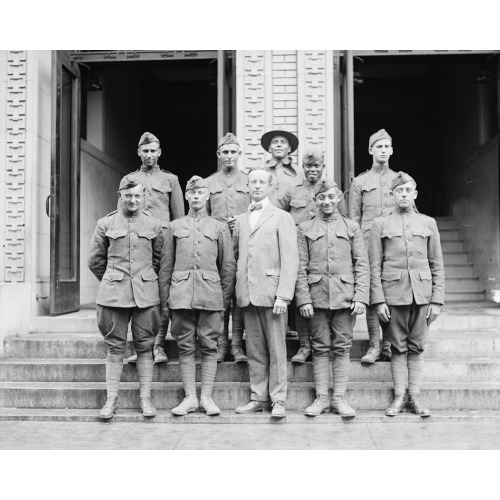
292	139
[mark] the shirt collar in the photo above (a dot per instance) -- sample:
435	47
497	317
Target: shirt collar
334	215
156	168
264	202
408	210
197	215
286	162
380	170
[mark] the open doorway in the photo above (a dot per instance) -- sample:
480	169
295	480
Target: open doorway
439	110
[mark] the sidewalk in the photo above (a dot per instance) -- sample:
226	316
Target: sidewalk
150	436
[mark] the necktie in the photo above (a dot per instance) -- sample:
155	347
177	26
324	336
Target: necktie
255	206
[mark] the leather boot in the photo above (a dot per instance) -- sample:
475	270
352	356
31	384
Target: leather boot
373	326
279	410
386	354
416	406
189	404
238	354
208	406
321	405
302	355
222	346
148	410
304	351
159	355
109	409
397	405
341	366
133	359
342	407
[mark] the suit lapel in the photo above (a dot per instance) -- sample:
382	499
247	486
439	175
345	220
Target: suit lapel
266	213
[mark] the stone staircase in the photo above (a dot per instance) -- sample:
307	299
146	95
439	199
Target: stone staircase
57	372
462	282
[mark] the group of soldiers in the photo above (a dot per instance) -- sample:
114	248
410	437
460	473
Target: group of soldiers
273	247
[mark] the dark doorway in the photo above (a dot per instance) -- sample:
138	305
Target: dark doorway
175	100
438	109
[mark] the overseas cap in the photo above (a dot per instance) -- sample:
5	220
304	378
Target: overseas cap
292	139
324	185
196	182
313	154
402	178
128	183
148	138
377	136
229	138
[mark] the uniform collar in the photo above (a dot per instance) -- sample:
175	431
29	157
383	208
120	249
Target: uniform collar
380	170
143	168
128	215
197	215
333	216
286	162
403	211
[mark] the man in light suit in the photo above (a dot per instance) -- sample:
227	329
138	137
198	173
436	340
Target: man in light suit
265	245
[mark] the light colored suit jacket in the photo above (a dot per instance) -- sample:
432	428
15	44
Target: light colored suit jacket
267	258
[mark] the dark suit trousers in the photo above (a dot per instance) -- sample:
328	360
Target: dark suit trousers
408	329
266	351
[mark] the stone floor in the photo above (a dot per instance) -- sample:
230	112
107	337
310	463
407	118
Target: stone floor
150	436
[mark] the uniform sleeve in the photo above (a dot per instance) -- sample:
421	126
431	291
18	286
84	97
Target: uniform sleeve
376	254
355	202
435	256
361	268
342	206
98	256
176	199
289	257
284	201
302	294
236	241
226	265
157	246
166	266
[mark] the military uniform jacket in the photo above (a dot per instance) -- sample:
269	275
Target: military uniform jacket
406	261
163	194
197	264
333	268
370	197
125	257
267	258
229	194
300	202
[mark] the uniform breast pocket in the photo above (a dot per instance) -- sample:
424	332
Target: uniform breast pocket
343	244
145	244
420	237
211	236
117	242
393	241
161	188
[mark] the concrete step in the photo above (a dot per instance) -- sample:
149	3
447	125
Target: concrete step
451	258
94	370
450	234
230	417
445	223
452	246
459	271
461	296
228	395
454	344
464	285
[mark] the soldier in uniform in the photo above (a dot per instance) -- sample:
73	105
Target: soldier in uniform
229	197
370	197
332	287
265	246
196	285
125	257
163	200
407	288
281	144
301	203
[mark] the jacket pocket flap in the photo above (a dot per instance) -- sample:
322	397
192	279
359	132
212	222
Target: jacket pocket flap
242	189
391	233
273	272
347	278
314	235
146	234
115	233
391	276
298	203
162	188
182	233
211	276
313	278
370	187
180	275
113	275
420	231
210	233
149	276
341	232
215	189
425	275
